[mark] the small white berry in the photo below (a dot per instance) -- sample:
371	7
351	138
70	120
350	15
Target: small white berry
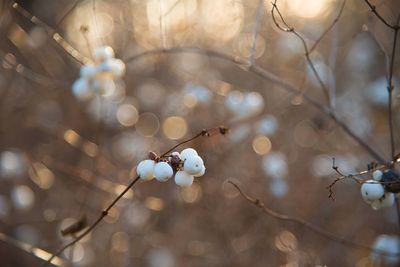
145	169
372	190
82	90
183	178
175	153
88	71
377	175
201	173
102	53
163	171
387	200
188	152
116	67
193	164
104	86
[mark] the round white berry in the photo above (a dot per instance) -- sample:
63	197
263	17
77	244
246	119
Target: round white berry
163	171
145	169
176	154
104	86
377	175
372	190
88	71
82	90
102	53
183	178
201	173
193	164
188	152
387	200
116	67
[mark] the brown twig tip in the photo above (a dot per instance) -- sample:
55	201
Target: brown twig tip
75	227
223	130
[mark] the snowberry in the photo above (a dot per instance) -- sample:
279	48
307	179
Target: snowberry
387	200
104	86
82	90
372	190
88	71
377	175
193	164
188	152
114	66
102	53
182	178
163	171
201	173
145	169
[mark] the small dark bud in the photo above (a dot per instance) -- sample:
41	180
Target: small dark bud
175	162
223	130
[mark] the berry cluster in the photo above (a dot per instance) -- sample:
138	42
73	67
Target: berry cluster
186	165
99	77
378	192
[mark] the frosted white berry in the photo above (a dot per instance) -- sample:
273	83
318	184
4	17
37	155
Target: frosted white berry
175	153
377	175
82	90
163	171
102	53
387	200
193	164
88	71
113	66
145	169
372	190
104	86
183	178
188	152
201	173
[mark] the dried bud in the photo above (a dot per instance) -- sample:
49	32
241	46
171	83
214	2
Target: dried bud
153	155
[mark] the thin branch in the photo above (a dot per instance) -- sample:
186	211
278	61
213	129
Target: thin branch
391	87
267	76
290	29
259	16
373	10
105	212
316	229
327	30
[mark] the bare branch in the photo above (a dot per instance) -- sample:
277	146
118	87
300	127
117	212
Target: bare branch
376	13
105	212
316	229
260	12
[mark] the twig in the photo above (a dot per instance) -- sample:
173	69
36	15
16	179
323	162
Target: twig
257	23
327	30
290	29
391	87
105	212
373	10
267	76
316	229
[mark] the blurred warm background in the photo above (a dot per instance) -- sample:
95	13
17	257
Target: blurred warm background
62	158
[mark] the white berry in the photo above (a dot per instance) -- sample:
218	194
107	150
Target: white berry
145	169
82	90
372	190
387	200
188	152
193	164
176	154
183	178
113	66
201	173
377	175
88	71
163	171
102	53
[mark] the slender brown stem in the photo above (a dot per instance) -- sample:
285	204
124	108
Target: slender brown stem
105	212
373	10
391	87
260	12
316	229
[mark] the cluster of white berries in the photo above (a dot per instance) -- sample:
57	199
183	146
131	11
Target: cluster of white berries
99	77
374	193
185	165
